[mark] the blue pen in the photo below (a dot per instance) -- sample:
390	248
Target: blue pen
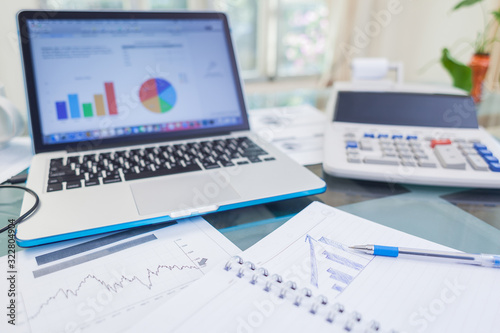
488	260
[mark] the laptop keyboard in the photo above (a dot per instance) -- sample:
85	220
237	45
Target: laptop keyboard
111	167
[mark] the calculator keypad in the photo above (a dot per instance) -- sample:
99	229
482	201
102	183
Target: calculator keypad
422	152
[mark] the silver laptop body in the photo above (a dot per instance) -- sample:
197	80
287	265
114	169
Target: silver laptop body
139	118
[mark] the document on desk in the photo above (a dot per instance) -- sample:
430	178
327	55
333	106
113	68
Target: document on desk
404	294
295	130
107	283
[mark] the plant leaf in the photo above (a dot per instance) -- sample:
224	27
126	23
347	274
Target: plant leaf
465	3
497	15
460	73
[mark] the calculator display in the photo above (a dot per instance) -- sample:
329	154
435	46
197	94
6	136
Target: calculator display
407	109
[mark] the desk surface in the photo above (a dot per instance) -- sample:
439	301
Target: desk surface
465	219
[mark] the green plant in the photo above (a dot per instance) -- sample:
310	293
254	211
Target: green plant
461	73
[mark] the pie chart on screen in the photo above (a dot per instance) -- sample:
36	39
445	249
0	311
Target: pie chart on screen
157	95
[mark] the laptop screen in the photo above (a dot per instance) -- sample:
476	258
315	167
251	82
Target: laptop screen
127	79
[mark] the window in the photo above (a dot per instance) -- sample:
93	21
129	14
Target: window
273	38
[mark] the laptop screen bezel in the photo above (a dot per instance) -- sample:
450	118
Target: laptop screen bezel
31	91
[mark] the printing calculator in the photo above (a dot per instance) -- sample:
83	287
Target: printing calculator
410	137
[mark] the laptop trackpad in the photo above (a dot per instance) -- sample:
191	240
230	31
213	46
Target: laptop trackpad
186	192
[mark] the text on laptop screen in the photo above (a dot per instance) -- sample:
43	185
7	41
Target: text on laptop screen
115	78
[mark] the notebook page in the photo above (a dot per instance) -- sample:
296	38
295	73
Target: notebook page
409	294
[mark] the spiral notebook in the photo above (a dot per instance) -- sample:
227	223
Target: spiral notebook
242	297
303	277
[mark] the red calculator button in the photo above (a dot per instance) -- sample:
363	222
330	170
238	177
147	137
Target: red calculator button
440	142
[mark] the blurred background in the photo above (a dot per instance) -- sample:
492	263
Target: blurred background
291	51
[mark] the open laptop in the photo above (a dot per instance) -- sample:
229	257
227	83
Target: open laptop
139	118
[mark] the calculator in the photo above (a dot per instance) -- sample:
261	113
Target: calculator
407	137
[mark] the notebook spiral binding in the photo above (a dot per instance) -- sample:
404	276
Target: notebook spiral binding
302	297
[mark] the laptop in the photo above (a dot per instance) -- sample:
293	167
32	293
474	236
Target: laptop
139	118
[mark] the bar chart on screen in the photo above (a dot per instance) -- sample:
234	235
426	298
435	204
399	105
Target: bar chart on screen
73	108
110	281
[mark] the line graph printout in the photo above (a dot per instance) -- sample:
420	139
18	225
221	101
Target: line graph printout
109	282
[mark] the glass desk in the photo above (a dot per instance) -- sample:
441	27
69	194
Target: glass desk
465	219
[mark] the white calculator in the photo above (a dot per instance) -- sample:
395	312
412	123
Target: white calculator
407	137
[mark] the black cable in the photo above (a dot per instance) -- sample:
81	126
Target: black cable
28	213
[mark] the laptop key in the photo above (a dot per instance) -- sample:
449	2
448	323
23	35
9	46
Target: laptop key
62	173
73	184
162	172
211	165
92	182
112	179
54	187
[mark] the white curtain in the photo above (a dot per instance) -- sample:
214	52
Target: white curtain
345	17
493	75
411	31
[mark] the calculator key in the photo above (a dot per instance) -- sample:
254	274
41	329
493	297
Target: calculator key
383	136
381	160
484	152
477	162
466	146
436	142
386	143
469	151
427	163
390	154
490	159
397	136
411	137
349	135
405	155
415	144
366	145
449	157
495	167
388	150
351	144
479	146
354	158
408	162
369	135
418	151
474	140
421	156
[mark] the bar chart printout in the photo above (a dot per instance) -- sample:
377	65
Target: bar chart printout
88	109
